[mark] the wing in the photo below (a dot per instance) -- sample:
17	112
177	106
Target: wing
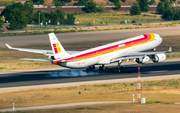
139	55
44	52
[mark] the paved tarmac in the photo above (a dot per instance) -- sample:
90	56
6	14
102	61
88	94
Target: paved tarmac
67	76
87	36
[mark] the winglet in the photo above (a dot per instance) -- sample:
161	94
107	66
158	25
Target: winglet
170	49
8	46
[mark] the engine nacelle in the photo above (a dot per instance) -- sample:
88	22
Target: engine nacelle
158	58
142	60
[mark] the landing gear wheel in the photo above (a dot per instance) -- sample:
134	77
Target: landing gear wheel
87	69
90	68
119	69
103	68
100	68
106	68
93	68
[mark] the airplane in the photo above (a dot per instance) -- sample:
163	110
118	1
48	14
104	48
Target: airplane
132	48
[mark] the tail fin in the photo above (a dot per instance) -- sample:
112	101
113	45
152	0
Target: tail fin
58	50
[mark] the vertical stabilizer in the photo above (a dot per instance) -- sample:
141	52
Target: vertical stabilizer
57	48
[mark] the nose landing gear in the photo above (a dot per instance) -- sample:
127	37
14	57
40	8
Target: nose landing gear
119	68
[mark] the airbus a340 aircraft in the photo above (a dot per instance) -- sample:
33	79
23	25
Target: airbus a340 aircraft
132	48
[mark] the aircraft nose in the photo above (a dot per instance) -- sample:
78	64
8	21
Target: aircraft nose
159	38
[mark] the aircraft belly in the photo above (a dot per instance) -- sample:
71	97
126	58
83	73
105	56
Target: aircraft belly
81	63
105	59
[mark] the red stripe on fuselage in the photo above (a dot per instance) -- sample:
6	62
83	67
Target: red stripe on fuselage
104	50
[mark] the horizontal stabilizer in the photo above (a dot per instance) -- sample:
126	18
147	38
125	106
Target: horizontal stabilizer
41	60
45	52
9	46
40	51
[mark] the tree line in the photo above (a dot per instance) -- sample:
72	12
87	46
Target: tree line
79	3
164	7
19	15
136	9
141	6
91	6
167	11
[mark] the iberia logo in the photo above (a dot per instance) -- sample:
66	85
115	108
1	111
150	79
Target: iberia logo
56	47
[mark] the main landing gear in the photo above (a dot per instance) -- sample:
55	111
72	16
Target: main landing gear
103	68
90	68
118	69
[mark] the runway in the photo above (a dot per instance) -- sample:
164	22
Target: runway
87	36
68	76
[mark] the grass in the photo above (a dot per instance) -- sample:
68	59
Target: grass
86	108
112	108
161	102
10	60
107	18
159	91
24	65
112	17
173	55
6	2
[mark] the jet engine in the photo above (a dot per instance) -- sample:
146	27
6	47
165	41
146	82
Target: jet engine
142	60
158	58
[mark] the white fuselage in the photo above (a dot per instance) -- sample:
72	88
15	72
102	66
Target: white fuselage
105	58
